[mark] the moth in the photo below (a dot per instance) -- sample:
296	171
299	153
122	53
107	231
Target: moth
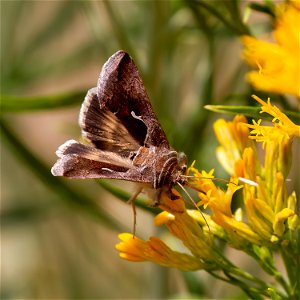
124	137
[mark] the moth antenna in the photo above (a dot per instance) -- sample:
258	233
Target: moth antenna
217	179
131	201
194	188
194	203
242	179
248	181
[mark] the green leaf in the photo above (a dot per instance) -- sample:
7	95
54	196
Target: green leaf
20	104
250	111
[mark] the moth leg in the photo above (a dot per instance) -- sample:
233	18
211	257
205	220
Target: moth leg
131	201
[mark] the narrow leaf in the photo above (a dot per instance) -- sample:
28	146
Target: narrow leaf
20	104
250	111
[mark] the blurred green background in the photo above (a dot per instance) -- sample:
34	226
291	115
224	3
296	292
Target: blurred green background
58	235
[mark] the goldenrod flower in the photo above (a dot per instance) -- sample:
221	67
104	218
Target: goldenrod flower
278	62
185	228
233	138
134	249
283	125
266	202
269	210
181	225
267	217
219	201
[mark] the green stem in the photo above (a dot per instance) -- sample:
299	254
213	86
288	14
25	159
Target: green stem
254	293
291	262
250	291
235	13
228	266
232	271
282	282
269	267
211	9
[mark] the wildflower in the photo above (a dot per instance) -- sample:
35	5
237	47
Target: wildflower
278	62
181	225
219	202
270	213
266	203
185	228
233	138
134	249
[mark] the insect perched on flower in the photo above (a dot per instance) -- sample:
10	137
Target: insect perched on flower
126	139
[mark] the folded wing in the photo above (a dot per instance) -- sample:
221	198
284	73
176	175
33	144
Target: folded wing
81	161
103	128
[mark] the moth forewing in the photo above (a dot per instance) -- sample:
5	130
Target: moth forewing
103	128
73	147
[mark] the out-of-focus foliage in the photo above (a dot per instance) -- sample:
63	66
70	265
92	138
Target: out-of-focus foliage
57	234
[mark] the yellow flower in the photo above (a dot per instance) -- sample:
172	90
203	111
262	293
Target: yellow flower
185	228
277	139
134	249
233	138
278	63
219	201
283	125
266	216
268	205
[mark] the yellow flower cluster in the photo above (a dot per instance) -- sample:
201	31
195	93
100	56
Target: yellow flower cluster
184	227
155	250
278	62
270	211
231	227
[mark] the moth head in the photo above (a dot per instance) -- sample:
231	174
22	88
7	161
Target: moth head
178	170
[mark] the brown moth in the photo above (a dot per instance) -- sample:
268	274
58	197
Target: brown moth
125	138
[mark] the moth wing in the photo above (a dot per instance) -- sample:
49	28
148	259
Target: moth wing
80	161
120	90
103	128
